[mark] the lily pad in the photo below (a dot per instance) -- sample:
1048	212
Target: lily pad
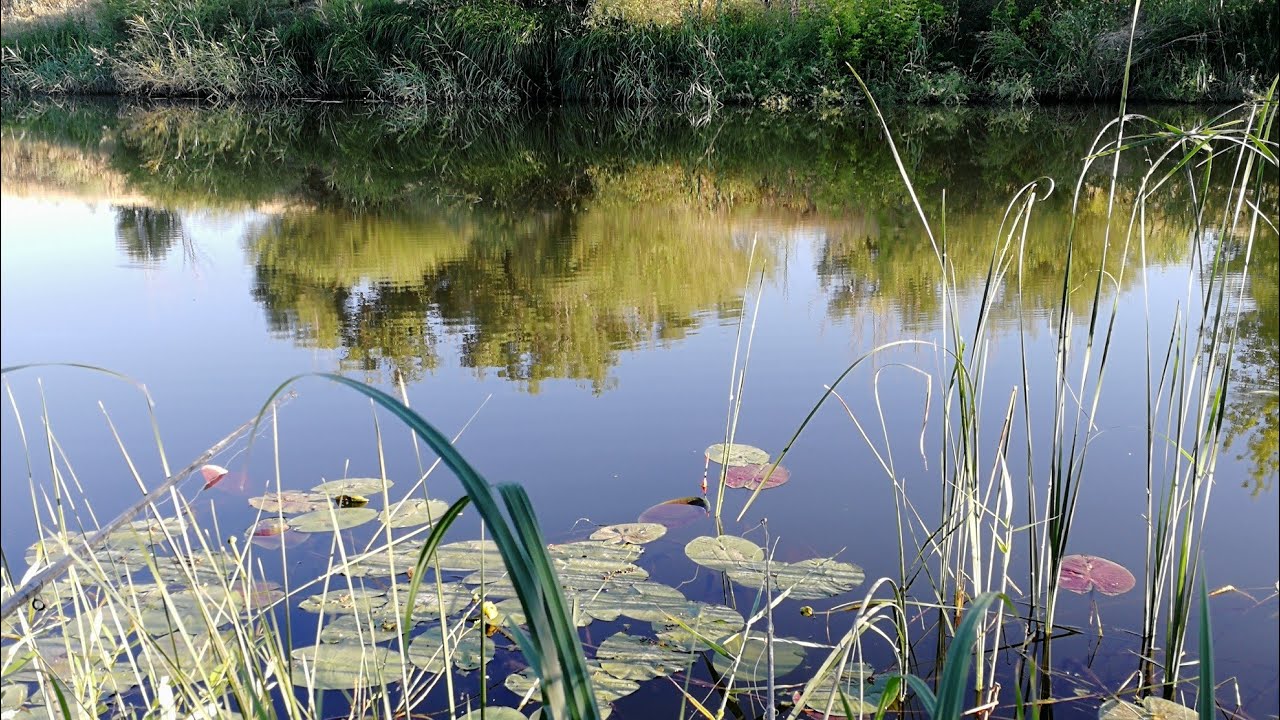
629	533
468	555
808	579
592	556
640	658
342	666
751	476
753	667
642	601
676	513
352	486
860	690
494	713
213	474
427	652
289	502
606	687
736	454
413	512
331	519
723	552
1082	573
342	600
1152	708
703	619
358	627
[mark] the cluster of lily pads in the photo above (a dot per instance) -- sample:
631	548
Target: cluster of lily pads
602	582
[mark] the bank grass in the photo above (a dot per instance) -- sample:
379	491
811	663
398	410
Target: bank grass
781	57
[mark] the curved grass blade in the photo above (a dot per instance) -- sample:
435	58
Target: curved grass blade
420	567
553	650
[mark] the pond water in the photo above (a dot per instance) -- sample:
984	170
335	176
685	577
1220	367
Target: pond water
569	286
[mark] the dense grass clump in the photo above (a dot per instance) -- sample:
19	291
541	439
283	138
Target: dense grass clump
740	51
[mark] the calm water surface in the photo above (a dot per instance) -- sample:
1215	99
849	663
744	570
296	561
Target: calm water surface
575	280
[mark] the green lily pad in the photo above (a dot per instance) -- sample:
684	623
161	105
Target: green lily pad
342	600
706	620
289	502
642	601
606	687
467	555
736	454
201	568
754	666
497	585
12	696
512	610
808	579
413	512
455	597
639	658
398	561
331	519
427	652
352	486
1152	708
593	556
494	713
629	533
723	552
343	666
860	691
357	628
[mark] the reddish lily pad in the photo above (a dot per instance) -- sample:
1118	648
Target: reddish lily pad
213	474
750	476
1082	573
676	513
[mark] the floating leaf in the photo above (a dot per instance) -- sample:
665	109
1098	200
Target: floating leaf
12	696
362	600
331	519
213	474
468	555
706	620
606	687
676	513
591	556
1152	708
723	552
289	502
268	527
639	658
358	627
512	610
807	579
859	689
288	538
455	597
342	666
492	712
750	476
413	512
736	454
1081	573
754	667
353	486
427	653
642	601
629	533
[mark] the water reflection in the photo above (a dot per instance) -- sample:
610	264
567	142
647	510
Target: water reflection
543	245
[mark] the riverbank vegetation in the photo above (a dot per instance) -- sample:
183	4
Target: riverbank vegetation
694	55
